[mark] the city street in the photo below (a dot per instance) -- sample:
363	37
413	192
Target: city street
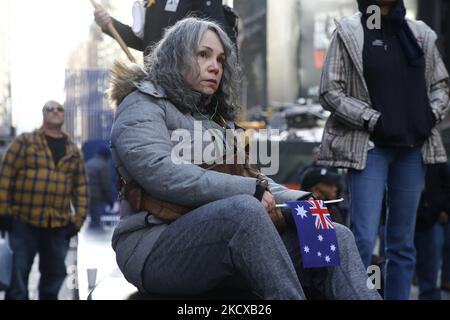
66	292
96	256
220	112
91	249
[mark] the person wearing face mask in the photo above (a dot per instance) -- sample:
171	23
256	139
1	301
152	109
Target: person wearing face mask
386	89
187	229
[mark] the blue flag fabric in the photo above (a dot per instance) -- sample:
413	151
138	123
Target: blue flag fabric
315	229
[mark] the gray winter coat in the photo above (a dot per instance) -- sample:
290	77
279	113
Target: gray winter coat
343	91
141	148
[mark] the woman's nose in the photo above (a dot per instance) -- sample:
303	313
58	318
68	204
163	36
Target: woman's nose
213	66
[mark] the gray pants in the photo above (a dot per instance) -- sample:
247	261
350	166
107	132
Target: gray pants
231	239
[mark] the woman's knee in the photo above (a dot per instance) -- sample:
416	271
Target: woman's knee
246	211
248	207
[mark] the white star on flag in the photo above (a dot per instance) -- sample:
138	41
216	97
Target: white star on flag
306	249
319	254
327	259
301	212
320	238
333	248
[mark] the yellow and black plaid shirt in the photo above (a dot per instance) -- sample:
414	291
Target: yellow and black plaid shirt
36	191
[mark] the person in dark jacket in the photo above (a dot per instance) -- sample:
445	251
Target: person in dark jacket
432	229
160	15
386	88
324	183
99	182
341	208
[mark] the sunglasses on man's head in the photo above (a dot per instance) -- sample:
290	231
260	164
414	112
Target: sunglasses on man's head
51	109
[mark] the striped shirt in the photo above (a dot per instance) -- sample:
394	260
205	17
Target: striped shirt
35	190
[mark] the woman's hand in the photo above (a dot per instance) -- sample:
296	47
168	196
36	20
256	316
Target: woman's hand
102	18
278	219
268	201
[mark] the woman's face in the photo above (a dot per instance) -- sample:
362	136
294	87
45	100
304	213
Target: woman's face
210	58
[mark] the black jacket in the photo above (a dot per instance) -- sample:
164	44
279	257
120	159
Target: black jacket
157	19
435	197
397	90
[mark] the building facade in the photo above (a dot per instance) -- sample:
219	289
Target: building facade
6	128
88	114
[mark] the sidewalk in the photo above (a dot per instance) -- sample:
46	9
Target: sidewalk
96	255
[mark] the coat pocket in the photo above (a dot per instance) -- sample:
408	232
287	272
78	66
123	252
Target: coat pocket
340	144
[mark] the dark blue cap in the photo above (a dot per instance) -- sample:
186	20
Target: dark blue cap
316	175
104	151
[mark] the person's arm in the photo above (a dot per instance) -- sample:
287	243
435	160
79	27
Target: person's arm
80	194
439	91
283	217
283	194
127	35
12	162
333	96
142	141
102	18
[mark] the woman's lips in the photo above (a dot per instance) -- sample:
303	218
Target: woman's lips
211	83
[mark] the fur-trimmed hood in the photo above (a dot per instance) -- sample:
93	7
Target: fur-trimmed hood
124	79
128	77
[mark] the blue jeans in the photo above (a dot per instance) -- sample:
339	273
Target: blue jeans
401	172
51	245
96	210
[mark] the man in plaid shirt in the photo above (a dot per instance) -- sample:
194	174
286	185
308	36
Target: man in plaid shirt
43	202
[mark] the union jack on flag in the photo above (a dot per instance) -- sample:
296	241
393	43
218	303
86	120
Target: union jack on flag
316	234
323	217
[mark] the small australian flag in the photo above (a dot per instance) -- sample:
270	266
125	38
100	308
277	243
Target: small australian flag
315	229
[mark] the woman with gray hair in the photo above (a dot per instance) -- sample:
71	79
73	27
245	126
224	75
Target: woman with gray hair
187	230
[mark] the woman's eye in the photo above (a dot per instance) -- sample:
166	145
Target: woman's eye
203	54
221	60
